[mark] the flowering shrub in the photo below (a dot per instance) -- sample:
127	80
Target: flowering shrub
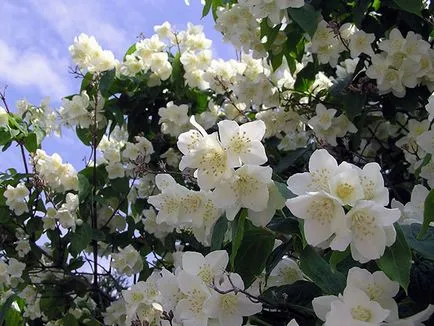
291	186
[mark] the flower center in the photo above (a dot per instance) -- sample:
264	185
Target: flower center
344	191
228	303
363	225
321	210
361	313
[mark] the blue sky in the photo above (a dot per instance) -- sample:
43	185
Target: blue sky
34	42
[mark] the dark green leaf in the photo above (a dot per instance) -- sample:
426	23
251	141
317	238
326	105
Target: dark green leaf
86	81
31	142
283	190
5	136
425	245
412	6
300	293
218	233
353	104
284	225
428	213
253	252
290	158
80	239
237	234
421	288
206	8
106	82
360	11
338	256
6	307
84	187
321	273
305	78
69	320
306	17
396	261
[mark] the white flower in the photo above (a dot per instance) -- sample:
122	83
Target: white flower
345	184
4	117
16	198
206	154
292	323
275	202
369	228
414	209
373	184
323	118
360	42
377	286
426	141
321	166
353	308
285	272
322	215
206	268
243	143
230	308
168	204
189	310
169	289
430	108
248	188
127	261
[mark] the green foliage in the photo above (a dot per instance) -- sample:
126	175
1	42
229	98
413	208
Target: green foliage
80	239
321	273
306	17
254	249
218	234
238	225
424	245
428	213
396	261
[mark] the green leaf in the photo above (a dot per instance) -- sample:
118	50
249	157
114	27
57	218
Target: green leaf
305	78
31	142
80	239
353	104
412	6
291	158
86	82
86	136
338	256
69	320
206	8
284	225
6	307
84	187
421	288
130	50
237	234
321	273
218	233
300	293
283	190
360	11
256	245
396	261
106	81
306	17
121	186
428	213
5	136
425	245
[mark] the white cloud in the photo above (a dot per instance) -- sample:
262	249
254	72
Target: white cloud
32	69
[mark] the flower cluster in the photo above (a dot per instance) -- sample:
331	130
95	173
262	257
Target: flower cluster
343	205
16	198
366	300
127	261
198	292
60	177
88	55
11	272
